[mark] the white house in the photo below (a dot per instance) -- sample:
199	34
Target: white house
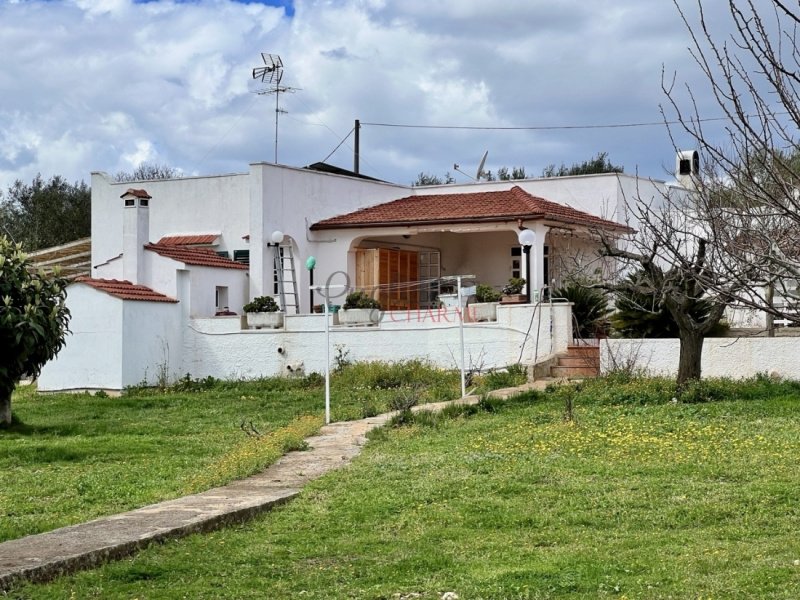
169	259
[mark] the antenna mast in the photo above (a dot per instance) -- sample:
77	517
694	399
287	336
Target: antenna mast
271	74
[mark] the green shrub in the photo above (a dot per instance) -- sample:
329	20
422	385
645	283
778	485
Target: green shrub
589	309
261	304
360	299
514	285
486	293
643	315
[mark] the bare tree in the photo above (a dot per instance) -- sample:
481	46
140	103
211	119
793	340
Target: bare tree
681	264
148	171
749	194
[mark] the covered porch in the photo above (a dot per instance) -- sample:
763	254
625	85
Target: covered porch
413	270
407	252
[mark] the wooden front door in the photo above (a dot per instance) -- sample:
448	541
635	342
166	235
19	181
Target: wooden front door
391	276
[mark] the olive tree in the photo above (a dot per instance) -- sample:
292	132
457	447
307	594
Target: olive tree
33	321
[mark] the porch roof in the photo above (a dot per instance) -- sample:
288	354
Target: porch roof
125	290
476	207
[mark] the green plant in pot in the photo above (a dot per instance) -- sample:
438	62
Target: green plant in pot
514	286
486	307
360	299
261	304
263	311
486	293
359	309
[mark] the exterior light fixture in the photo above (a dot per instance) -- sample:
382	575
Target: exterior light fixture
311	262
277	236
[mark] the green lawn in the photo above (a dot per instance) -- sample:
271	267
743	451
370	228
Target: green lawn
74	457
637	497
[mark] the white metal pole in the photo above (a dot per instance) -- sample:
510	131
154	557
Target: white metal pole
461	336
327	365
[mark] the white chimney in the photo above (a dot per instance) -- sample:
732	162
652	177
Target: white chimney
687	169
135	234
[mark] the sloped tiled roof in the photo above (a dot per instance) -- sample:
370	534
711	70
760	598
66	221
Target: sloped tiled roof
200	257
188	240
471	207
138	193
124	289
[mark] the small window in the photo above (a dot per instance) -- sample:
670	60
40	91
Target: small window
242	256
130	202
685	167
144	202
516	263
221	298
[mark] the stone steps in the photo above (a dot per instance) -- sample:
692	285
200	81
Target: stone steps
579	361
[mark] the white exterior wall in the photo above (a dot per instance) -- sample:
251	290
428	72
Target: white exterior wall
204	281
189	205
722	357
218	347
153	342
92	356
290	200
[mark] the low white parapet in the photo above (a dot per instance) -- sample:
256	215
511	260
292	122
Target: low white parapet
522	333
722	357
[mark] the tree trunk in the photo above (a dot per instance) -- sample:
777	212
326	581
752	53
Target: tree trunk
770	318
689	364
5	406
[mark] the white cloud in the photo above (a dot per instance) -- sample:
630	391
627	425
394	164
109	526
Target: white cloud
101	84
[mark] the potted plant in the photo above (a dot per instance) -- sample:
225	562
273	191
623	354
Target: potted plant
263	311
359	309
485	309
512	291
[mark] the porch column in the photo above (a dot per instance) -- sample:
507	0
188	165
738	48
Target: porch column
535	278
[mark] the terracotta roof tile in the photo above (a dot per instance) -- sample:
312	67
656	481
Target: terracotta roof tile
137	193
125	290
201	257
471	207
188	240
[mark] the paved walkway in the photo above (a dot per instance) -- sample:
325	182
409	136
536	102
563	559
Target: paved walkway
45	556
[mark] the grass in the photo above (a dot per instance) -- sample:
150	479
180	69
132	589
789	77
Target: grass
73	457
638	497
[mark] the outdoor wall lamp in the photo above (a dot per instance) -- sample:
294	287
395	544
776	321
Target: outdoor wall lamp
311	264
526	239
276	237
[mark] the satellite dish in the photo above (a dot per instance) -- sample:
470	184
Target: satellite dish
480	172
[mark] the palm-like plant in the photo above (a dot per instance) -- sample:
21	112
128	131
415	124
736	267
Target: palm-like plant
589	308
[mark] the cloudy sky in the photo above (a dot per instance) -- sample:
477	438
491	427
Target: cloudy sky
102	85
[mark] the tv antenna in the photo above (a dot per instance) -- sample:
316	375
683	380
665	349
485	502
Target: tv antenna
479	172
271	74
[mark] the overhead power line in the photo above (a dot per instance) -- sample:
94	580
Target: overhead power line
545	127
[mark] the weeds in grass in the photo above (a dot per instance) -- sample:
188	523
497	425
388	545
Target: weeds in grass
512	376
341	358
255	453
569	404
625	388
405	398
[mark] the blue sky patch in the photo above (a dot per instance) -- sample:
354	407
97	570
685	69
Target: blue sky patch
287	5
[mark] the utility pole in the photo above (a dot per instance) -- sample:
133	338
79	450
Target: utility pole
357	147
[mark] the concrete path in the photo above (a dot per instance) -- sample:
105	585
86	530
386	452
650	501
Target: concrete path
45	556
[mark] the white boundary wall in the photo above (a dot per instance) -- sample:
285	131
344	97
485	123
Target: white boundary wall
722	357
220	348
